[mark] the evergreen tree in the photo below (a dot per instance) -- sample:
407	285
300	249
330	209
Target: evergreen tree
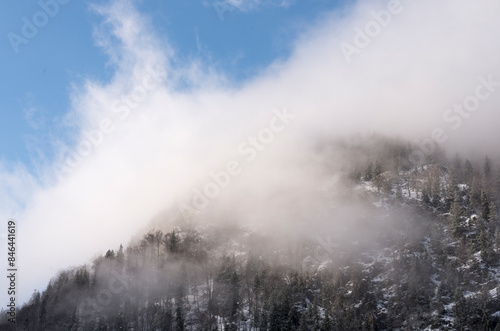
234	299
82	277
487	168
475	191
327	323
436	190
313	316
377	169
497	238
497	181
399	192
42	318
157	240
72	322
485	206
457	169
304	323
172	242
436	237
468	170
263	319
456	215
179	319
120	257
369	322
460	309
493	216
110	254
487	253
425	195
275	317
369	172
451	189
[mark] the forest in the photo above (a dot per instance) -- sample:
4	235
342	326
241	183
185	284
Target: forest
422	254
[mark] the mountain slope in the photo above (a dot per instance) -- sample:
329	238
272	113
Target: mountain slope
391	246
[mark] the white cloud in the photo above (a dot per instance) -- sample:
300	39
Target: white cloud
33	115
33	118
246	6
251	5
166	142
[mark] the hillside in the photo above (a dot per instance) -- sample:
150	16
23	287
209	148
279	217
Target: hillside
392	246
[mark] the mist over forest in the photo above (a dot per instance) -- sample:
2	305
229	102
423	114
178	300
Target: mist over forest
382	244
351	185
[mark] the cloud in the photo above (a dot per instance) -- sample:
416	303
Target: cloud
249	5
253	5
33	115
143	143
34	118
245	6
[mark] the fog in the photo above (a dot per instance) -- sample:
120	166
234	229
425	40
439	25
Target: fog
144	145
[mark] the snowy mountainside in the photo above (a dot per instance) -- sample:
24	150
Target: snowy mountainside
394	246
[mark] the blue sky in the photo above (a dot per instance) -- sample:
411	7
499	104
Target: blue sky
38	78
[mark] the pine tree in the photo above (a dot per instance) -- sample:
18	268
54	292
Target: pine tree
82	277
172	242
436	190
425	195
497	238
120	257
436	238
234	300
487	252
257	308
264	317
42	317
313	316
460	308
110	254
303	326
497	181
157	239
377	169
399	192
179	319
275	317
468	170
457	167
438	303
456	215
475	191
485	206
72	322
327	323
369	322
369	172
493	216
119	322
451	189
487	168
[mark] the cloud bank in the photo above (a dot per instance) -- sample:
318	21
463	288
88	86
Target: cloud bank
143	144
